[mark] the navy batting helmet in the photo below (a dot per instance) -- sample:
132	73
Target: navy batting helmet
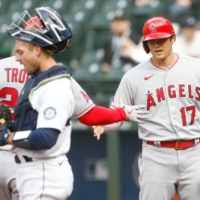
48	29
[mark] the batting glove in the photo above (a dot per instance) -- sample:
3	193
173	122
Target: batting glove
4	137
135	113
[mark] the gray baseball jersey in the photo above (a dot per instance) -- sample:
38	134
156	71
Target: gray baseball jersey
171	95
83	103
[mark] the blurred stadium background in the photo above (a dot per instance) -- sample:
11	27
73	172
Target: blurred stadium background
105	169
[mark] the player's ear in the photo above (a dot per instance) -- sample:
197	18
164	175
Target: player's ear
173	38
37	50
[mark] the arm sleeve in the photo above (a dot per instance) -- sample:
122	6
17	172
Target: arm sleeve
42	138
102	116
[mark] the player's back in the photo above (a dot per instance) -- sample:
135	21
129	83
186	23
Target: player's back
13	77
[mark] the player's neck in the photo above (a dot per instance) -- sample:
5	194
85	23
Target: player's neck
47	63
165	62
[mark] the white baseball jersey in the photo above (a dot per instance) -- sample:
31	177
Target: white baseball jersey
13	77
171	95
54	102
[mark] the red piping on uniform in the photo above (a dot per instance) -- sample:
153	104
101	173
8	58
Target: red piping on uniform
162	68
77	116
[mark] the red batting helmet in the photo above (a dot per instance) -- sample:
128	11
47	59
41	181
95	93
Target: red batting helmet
156	28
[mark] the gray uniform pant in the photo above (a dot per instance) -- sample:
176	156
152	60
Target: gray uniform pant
164	171
8	167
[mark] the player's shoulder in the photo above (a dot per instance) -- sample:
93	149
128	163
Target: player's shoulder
139	69
10	62
189	62
53	87
187	59
9	59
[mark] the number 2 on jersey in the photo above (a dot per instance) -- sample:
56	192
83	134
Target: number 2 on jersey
183	111
9	91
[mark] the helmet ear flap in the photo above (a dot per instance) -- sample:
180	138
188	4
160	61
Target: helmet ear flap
58	47
145	46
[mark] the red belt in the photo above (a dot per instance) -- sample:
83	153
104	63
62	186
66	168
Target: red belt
178	145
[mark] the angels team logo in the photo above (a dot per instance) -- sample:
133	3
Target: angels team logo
49	113
86	97
152	28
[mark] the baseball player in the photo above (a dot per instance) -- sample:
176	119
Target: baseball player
23	138
85	111
169	85
12	82
13	77
42	127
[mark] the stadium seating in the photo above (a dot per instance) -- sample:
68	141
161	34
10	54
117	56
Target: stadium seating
196	10
116	6
4	6
61	6
90	23
141	13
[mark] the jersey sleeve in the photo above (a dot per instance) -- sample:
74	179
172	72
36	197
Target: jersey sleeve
83	103
101	116
54	102
124	92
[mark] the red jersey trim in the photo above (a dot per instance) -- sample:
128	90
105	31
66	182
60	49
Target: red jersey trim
85	111
12	116
162	67
112	106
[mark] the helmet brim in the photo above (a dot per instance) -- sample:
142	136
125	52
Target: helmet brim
155	36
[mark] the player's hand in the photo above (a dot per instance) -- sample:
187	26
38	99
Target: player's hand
98	131
135	113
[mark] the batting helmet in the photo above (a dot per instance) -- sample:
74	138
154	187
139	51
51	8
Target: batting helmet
48	29
156	28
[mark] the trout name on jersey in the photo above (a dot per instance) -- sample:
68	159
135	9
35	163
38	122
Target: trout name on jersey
173	91
16	75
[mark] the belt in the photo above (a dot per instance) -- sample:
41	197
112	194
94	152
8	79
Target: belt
178	145
25	159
